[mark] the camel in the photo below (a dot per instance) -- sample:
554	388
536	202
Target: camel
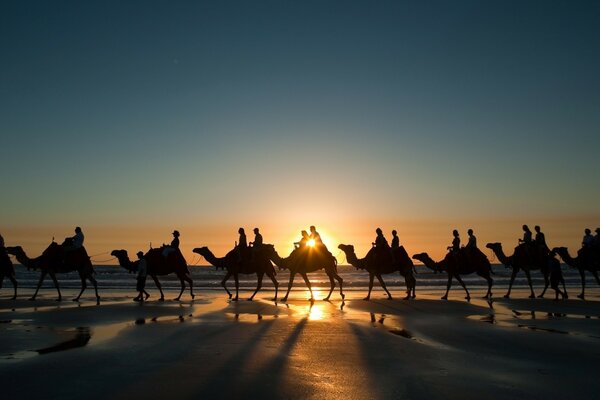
310	259
583	262
521	260
461	264
245	263
56	260
7	270
378	264
159	265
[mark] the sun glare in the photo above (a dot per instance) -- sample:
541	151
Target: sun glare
311	243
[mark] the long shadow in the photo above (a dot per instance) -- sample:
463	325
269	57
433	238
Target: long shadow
277	365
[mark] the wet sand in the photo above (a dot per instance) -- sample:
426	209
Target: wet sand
210	347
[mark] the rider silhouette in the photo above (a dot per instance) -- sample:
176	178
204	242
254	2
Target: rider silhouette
301	244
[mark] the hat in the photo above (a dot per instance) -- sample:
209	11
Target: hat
176	233
140	253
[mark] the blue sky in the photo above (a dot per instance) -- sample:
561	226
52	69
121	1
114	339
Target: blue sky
347	114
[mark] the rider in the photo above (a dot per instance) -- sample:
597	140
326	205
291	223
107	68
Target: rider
455	247
395	240
588	239
527	236
527	241
471	246
540	243
380	240
258	241
242	244
77	239
174	244
301	244
395	245
315	236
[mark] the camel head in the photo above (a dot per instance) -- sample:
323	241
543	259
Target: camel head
15	251
427	261
203	251
346	248
119	253
563	252
494	246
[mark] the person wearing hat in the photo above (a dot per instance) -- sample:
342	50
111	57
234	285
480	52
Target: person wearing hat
175	241
141	278
173	246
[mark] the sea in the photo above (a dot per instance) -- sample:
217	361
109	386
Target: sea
209	278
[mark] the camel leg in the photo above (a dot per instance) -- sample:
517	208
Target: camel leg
83	287
224	283
528	275
189	280
182	289
341	282
275	283
582	274
291	282
595	273
546	284
445	297
95	283
237	286
371	277
382	283
412	288
305	277
331	286
512	280
159	286
53	276
459	279
566	296
260	278
489	281
14	282
42	276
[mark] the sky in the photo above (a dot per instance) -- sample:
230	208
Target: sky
134	118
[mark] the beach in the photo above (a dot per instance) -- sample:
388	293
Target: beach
212	347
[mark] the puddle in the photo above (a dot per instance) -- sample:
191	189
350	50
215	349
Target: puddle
253	318
78	337
402	332
506	318
82	337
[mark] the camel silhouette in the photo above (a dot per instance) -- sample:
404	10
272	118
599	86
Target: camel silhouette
7	270
158	265
245	263
382	263
522	260
456	265
310	259
583	262
55	260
